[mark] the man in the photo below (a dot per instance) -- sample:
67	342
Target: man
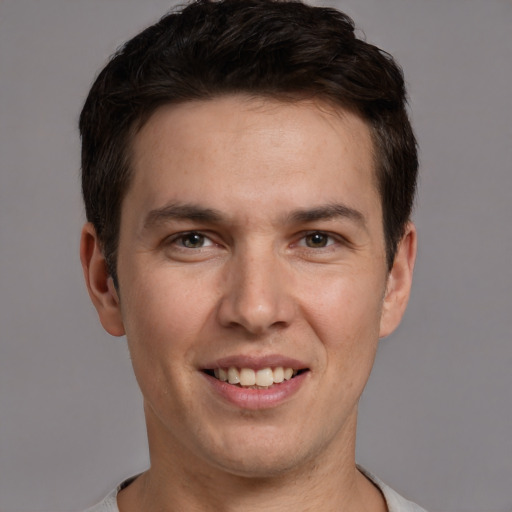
248	175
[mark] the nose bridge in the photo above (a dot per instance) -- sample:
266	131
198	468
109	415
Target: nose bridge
256	295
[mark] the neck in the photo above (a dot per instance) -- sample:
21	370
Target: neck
178	480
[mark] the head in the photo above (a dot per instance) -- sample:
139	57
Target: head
248	174
285	51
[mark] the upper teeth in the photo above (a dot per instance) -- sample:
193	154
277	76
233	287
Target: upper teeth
249	377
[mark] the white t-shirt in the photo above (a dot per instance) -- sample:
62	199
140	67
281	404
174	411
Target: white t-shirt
394	501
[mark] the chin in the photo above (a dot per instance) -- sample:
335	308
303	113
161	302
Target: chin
270	458
259	468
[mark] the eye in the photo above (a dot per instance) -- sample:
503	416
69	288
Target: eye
193	240
317	240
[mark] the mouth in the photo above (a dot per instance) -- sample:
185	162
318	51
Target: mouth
250	378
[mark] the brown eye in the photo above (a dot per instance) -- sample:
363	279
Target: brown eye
193	240
317	240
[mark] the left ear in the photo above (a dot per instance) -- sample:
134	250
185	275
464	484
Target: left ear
399	282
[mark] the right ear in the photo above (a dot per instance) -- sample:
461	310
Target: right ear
100	284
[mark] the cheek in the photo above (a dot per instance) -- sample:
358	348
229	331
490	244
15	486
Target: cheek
163	319
162	322
346	318
164	309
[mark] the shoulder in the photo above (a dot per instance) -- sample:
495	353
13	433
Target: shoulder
394	501
109	504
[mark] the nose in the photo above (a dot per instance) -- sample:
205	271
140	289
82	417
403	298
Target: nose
256	293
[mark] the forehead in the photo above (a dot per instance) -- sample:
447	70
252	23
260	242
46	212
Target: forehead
264	150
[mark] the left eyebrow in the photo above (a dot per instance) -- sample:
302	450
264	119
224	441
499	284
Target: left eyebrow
327	212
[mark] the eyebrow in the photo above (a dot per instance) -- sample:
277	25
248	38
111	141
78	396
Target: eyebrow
327	212
192	212
176	211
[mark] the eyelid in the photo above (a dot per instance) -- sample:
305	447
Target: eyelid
172	239
334	238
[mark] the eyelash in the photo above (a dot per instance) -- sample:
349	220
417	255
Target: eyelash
183	236
331	239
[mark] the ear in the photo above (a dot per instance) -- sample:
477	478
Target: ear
99	283
399	282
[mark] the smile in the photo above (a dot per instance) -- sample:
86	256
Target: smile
255	379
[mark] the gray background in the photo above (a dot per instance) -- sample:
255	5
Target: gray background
436	418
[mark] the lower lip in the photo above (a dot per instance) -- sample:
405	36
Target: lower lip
254	399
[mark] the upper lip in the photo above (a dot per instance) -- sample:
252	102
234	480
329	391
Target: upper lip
256	362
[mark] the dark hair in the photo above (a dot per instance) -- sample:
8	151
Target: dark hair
280	49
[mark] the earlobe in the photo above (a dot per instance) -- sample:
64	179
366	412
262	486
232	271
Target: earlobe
399	282
99	283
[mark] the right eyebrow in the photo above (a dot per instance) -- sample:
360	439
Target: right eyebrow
179	211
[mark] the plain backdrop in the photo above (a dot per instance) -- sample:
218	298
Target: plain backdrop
436	417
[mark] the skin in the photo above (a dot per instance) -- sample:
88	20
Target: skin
275	272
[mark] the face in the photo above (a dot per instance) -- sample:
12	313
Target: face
251	249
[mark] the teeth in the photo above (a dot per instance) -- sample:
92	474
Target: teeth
278	374
265	377
233	376
247	377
